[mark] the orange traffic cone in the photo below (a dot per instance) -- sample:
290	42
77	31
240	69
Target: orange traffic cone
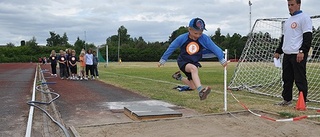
300	103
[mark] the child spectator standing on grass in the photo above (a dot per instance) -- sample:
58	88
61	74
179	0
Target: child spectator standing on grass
95	65
53	62
73	65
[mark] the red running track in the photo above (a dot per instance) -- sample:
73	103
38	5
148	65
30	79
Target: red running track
16	81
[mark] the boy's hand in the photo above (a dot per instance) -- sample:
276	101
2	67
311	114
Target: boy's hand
225	64
159	64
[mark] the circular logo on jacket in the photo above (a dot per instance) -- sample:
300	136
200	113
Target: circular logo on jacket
294	25
73	58
192	48
62	58
53	58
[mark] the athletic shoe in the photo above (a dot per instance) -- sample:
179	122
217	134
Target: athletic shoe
284	103
204	93
177	75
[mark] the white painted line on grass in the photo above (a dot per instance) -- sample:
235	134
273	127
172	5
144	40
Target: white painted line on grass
161	81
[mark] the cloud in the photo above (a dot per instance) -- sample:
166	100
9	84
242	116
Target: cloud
155	20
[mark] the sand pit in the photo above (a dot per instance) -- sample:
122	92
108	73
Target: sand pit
236	124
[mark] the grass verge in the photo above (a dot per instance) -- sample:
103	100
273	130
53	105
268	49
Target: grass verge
147	79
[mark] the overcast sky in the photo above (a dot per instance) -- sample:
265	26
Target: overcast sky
154	20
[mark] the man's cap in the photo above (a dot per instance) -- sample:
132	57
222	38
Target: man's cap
197	24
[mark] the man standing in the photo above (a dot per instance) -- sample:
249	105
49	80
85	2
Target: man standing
295	44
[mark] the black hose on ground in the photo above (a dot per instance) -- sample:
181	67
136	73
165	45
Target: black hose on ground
33	103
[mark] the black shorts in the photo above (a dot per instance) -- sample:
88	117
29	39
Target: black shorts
188	74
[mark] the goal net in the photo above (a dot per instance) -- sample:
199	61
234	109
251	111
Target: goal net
256	72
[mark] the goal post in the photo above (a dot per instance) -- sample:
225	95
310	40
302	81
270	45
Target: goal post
225	82
255	71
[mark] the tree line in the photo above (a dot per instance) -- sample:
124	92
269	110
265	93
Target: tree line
120	45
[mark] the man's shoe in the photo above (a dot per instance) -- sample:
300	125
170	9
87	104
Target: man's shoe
204	93
284	103
177	75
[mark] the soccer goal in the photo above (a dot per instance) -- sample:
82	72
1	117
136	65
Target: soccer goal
256	72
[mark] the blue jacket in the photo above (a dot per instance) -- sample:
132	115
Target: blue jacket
95	60
208	47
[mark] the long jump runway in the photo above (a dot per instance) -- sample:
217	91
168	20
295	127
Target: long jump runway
81	103
93	102
15	91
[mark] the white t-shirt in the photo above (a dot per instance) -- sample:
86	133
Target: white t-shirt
293	30
89	59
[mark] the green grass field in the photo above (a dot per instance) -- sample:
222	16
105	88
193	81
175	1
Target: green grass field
147	79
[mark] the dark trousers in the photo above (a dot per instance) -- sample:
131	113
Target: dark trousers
63	70
54	68
95	70
294	72
89	68
68	70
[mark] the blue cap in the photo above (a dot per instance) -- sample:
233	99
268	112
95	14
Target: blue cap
197	24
